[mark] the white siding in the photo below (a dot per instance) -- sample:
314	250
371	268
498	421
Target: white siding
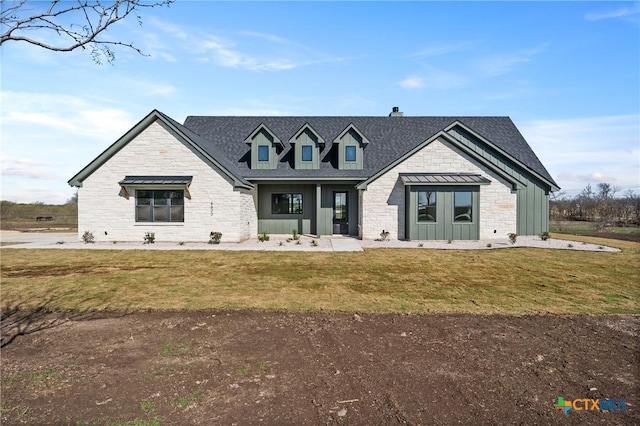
383	203
214	204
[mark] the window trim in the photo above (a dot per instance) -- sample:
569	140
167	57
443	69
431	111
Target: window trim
291	208
152	205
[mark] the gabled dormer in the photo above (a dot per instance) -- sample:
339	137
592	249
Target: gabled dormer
265	148
307	147
351	143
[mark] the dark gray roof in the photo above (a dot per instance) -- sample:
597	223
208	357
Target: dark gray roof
442	178
389	139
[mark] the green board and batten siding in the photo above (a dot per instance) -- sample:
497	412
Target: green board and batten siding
307	138
264	138
350	138
306	222
444	227
532	196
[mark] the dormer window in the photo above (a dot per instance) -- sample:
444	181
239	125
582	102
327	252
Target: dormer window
307	147
307	153
350	153
351	143
265	147
263	152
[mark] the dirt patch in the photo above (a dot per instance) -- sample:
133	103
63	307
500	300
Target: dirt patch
251	367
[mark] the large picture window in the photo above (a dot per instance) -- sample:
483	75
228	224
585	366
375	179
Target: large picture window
426	206
462	206
286	203
160	206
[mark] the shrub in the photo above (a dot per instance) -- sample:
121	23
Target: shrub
489	245
214	237
545	236
512	237
88	237
384	235
263	237
149	238
421	245
314	243
295	234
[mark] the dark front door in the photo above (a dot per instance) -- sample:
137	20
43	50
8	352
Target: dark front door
340	213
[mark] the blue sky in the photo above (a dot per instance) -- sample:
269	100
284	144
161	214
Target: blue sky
567	73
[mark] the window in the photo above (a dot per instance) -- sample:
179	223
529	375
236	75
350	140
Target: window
286	203
462	206
263	153
350	153
160	206
307	153
426	206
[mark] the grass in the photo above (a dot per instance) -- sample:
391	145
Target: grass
520	280
571	227
186	401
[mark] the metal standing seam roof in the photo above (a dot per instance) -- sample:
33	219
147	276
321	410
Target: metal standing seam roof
156	180
443	179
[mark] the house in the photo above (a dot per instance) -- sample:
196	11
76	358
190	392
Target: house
418	178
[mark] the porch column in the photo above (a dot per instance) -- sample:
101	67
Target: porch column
318	207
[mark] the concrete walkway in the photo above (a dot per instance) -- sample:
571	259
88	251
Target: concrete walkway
345	244
52	240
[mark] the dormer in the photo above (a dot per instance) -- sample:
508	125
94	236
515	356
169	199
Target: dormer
306	143
351	143
265	148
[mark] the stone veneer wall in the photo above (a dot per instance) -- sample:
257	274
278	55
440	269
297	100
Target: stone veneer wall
383	203
214	204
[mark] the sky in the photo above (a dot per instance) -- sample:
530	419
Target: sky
567	73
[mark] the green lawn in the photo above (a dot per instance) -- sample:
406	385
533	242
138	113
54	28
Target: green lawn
516	280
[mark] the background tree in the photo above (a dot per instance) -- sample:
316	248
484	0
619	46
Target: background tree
63	26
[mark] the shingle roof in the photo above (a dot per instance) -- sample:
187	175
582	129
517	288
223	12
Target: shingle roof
389	137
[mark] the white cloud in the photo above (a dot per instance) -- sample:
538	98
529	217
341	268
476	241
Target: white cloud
441	49
588	150
24	167
500	64
621	13
412	83
206	47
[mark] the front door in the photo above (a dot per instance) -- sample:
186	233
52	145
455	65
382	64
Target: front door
340	213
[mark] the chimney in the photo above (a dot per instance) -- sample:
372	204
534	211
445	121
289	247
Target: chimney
395	112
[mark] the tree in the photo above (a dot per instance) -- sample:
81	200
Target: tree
63	26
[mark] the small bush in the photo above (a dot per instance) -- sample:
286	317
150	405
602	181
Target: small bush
314	243
384	235
421	245
88	237
489	245
570	245
149	238
214	237
512	237
263	237
281	243
545	236
298	242
449	241
295	234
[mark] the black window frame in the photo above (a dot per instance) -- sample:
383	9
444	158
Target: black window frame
463	213
353	149
169	200
293	200
309	150
433	207
265	149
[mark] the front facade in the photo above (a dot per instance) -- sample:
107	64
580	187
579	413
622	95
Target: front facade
418	178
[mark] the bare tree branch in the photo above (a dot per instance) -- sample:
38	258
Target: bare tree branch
73	24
